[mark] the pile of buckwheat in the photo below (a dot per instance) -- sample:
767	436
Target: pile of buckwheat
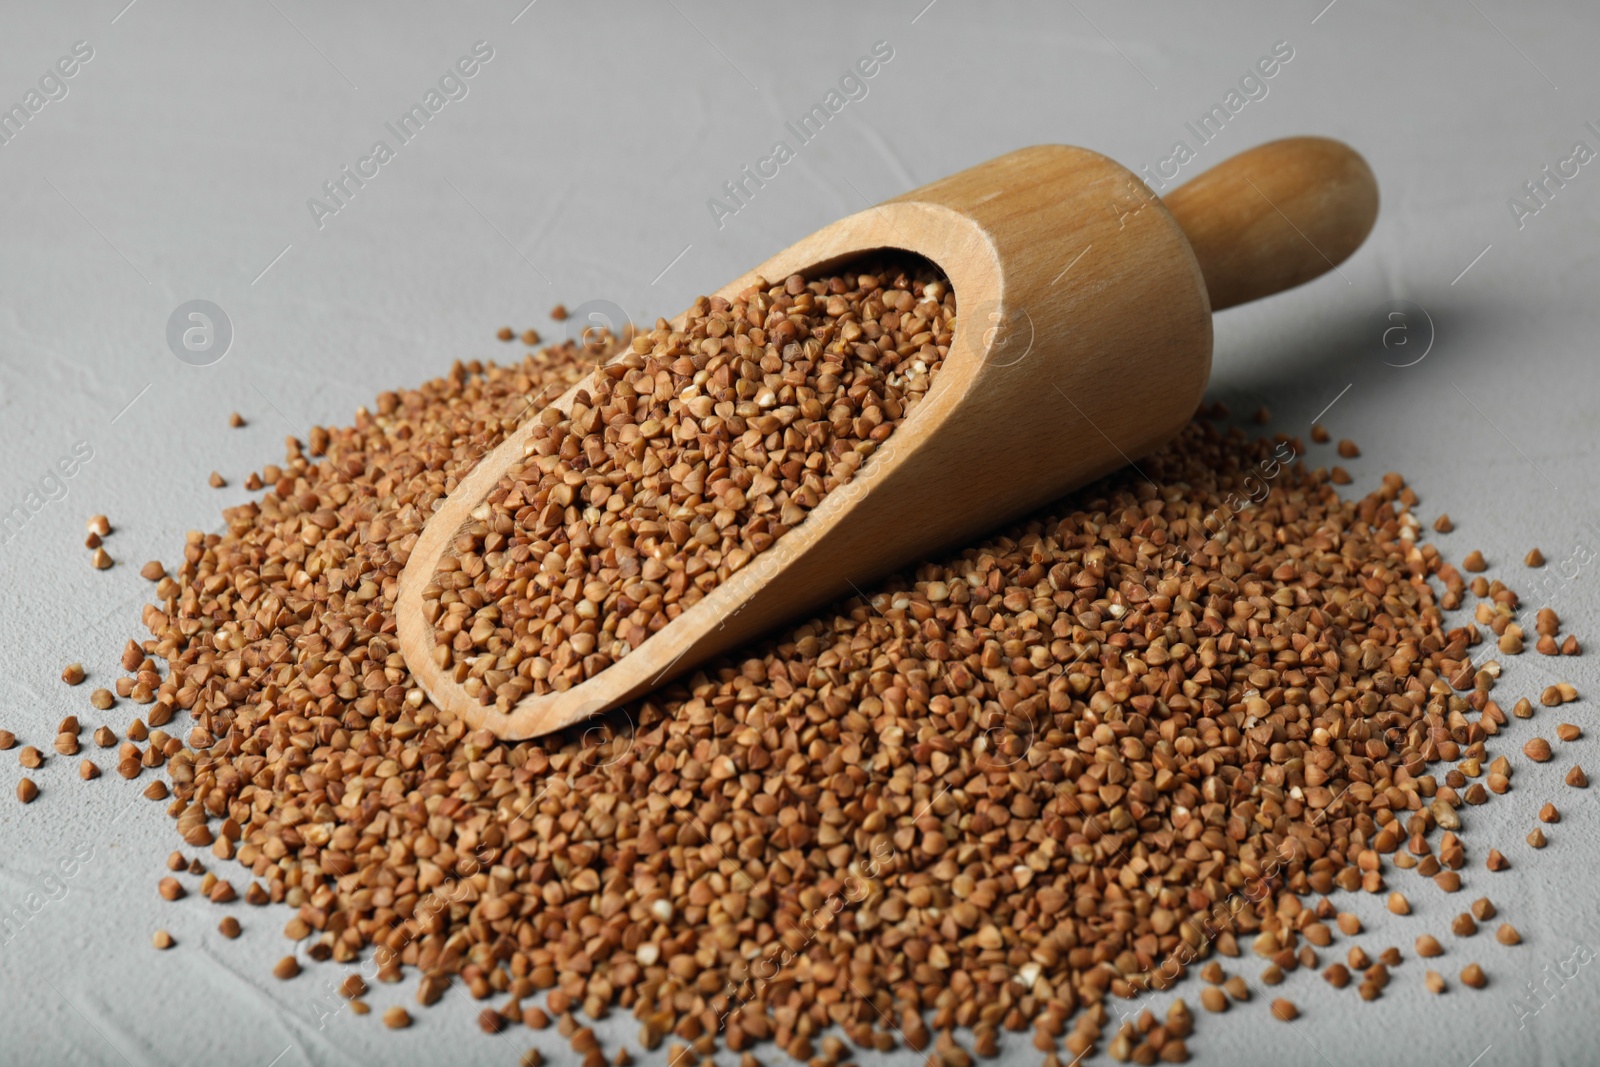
1003	791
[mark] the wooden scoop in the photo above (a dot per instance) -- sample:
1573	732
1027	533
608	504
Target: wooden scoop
1083	340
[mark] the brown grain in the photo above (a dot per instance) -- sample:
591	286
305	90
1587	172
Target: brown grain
1033	740
677	465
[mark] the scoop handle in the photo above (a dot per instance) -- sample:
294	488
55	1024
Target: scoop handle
1275	216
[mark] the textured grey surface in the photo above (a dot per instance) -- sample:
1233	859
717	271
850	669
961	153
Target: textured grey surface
578	166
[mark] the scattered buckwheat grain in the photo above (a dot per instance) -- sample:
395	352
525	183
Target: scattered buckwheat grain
1047	757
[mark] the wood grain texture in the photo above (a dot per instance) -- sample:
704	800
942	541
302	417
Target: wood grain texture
1275	216
1083	339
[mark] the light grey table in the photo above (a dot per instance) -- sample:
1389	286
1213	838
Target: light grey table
578	162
